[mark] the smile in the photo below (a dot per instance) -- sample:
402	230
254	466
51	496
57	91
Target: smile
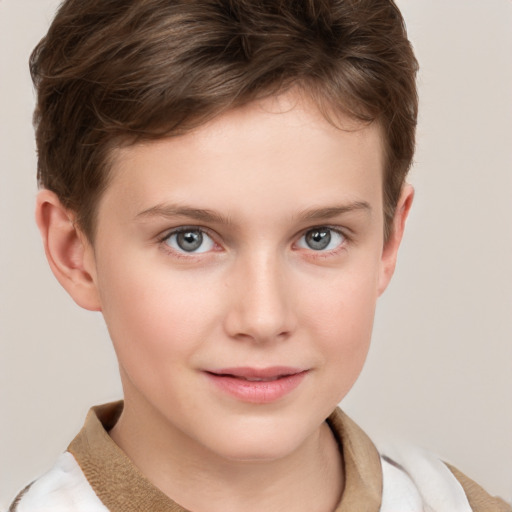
257	385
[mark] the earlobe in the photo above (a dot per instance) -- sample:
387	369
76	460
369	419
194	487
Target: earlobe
68	252
392	244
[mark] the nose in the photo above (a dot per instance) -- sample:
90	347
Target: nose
261	306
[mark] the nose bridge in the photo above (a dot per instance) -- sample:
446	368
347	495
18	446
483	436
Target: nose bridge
261	308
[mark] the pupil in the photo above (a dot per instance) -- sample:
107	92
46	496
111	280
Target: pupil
189	240
318	239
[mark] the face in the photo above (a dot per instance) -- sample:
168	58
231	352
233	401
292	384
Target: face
238	268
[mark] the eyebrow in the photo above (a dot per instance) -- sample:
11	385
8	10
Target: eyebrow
210	216
171	210
334	211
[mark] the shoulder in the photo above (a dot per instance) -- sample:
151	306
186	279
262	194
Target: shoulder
397	477
62	489
421	477
478	498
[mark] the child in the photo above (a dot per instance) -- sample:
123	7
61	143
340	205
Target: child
225	182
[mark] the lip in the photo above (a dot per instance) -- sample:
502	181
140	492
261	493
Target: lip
257	385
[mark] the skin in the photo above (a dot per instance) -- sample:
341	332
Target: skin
256	181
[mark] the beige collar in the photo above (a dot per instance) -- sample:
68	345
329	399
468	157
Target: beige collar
122	488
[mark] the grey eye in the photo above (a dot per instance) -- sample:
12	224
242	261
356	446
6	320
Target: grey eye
321	239
318	239
190	240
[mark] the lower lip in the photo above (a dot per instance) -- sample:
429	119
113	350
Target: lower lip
257	392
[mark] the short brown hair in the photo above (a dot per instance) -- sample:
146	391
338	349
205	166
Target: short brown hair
113	72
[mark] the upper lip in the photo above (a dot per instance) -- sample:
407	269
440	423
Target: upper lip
245	372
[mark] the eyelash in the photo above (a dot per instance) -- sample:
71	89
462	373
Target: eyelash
345	239
163	241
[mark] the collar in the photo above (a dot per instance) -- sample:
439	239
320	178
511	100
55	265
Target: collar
121	487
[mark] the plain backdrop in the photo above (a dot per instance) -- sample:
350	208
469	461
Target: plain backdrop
439	372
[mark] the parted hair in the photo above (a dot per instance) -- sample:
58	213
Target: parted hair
111	73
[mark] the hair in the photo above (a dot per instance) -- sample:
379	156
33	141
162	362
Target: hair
111	73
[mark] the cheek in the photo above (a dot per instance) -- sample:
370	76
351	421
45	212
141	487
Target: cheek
155	318
343	302
341	321
346	331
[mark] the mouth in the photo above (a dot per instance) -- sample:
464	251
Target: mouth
257	385
256	379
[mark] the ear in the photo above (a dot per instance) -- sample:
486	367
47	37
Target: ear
390	250
70	255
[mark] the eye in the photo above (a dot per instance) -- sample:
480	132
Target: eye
321	239
190	240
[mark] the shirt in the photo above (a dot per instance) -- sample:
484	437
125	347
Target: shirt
95	475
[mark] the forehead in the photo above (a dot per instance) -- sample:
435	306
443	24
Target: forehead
282	144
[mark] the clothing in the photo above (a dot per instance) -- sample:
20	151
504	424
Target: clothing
95	475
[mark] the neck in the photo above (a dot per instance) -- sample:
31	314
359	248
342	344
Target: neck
310	478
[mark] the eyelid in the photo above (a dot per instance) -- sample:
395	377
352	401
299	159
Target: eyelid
342	231
184	228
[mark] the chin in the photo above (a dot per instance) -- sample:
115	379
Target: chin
259	452
259	441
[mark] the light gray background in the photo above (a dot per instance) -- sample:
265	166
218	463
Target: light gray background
439	372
